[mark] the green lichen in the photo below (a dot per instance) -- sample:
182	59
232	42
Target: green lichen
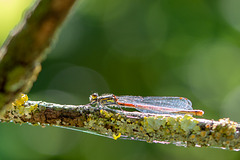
185	129
187	123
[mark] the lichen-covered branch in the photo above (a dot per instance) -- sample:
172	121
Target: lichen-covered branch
153	128
23	51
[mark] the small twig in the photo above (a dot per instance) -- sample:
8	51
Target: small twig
23	51
153	128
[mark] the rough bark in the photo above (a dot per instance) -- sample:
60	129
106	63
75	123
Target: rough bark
22	53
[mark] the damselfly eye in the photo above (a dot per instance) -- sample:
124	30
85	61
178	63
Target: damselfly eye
93	98
94	95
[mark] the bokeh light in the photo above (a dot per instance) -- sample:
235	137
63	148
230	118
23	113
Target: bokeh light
11	13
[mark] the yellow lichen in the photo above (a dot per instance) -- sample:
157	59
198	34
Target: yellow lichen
21	100
218	136
192	136
112	119
20	109
203	133
230	137
116	136
106	114
167	131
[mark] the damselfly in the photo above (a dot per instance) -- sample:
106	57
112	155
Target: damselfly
160	105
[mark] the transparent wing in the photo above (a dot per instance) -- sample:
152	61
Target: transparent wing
168	102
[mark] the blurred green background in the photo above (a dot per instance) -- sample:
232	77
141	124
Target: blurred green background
149	48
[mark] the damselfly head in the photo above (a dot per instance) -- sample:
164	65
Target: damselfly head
93	98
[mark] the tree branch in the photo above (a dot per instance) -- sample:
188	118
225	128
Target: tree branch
153	128
23	51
